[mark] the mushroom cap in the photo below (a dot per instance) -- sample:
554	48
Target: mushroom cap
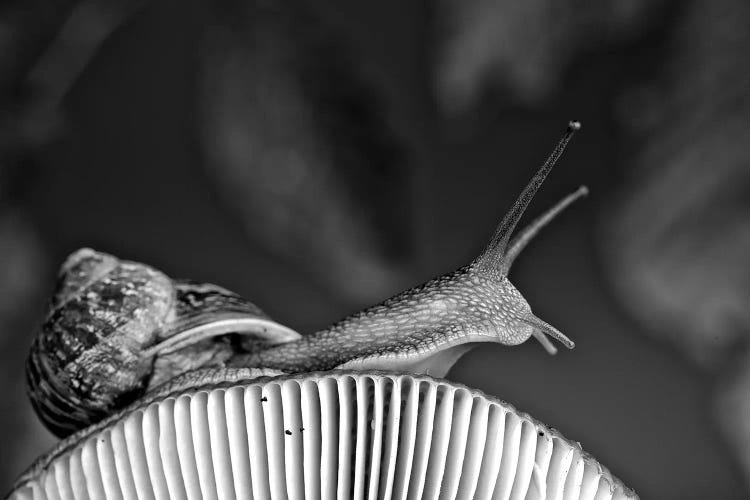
242	433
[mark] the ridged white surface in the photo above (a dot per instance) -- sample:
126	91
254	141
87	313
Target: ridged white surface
323	436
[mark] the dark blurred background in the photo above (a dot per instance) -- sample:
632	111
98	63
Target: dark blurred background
319	158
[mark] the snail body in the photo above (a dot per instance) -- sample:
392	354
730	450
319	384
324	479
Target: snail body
201	342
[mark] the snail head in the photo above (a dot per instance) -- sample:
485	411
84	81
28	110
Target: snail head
496	299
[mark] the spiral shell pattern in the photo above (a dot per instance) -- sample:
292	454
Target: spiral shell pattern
87	358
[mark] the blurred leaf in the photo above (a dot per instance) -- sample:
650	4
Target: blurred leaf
299	148
44	46
678	243
523	47
22	266
732	410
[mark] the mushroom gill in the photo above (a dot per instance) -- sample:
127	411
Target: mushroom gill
335	434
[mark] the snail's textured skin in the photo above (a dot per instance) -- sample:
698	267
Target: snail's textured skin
468	305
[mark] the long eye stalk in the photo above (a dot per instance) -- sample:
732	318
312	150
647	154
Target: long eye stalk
494	255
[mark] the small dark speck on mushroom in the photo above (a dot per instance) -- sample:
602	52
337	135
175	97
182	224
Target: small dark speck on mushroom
288	432
541	433
301	429
263	399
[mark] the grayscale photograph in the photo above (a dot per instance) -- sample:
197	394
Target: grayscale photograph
447	250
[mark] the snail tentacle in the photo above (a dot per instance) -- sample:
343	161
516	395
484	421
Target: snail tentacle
545	342
494	255
547	329
524	237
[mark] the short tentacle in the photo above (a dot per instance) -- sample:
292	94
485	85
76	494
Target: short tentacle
545	341
547	329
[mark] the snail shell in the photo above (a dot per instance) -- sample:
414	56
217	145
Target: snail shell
320	435
116	328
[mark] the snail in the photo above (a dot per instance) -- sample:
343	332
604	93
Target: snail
136	364
108	322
